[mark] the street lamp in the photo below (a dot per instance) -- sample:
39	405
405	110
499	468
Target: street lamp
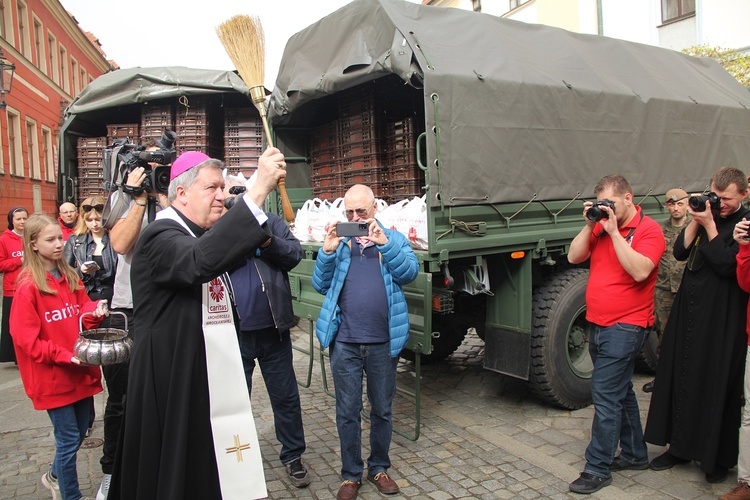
6	78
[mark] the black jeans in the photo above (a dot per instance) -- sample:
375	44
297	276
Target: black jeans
273	350
116	377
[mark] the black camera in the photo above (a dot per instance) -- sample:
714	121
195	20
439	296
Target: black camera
697	203
132	156
596	213
235	190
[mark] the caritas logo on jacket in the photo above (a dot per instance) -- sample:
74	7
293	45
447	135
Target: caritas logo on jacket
69	311
17	254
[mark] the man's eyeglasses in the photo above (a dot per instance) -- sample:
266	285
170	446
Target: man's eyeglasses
361	212
99	207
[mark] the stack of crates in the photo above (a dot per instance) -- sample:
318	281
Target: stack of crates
405	178
326	178
154	120
90	169
243	139
347	151
119	131
198	128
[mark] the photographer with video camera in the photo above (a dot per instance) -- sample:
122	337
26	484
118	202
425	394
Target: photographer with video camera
623	247
698	384
131	209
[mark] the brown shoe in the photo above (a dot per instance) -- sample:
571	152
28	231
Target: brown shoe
741	492
385	484
348	490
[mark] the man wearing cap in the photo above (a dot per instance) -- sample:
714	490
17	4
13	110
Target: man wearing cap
188	429
670	269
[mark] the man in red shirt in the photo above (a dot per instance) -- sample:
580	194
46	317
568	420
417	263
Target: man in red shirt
623	247
67	219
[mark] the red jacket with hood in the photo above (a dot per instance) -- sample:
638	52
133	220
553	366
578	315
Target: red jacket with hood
11	251
44	328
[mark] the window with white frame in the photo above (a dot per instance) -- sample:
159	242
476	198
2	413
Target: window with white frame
54	68
6	23
673	10
41	54
32	147
64	73
75	74
15	155
48	154
24	45
513	4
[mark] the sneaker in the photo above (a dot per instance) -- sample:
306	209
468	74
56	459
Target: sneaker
589	483
50	482
740	492
348	490
298	475
104	487
385	484
620	463
666	461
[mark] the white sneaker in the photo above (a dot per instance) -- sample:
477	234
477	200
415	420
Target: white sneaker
50	483
104	488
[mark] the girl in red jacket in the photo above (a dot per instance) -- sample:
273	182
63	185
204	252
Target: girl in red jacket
49	299
11	260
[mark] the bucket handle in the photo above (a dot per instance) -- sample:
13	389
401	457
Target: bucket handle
80	319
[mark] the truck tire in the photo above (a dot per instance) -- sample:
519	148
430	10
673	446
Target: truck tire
453	329
648	357
561	367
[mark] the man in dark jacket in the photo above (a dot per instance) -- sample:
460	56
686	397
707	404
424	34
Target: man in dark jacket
188	429
264	303
697	399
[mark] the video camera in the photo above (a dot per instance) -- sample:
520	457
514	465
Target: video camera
132	156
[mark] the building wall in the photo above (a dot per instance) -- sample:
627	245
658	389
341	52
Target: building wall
54	60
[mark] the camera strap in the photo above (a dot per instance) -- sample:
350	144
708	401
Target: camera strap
629	236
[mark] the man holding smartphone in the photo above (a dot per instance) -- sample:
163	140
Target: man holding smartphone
365	322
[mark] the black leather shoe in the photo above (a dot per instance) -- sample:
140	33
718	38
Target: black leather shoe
588	483
622	464
666	461
718	475
648	387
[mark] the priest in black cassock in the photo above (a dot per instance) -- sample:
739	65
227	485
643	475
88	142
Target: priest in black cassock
188	431
696	404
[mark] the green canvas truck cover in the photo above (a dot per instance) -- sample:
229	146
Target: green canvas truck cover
526	111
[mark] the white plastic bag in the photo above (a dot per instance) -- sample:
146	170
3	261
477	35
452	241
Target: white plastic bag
390	214
317	219
413	223
301	229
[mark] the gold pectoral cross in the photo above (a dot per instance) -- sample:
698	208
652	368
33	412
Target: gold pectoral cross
237	448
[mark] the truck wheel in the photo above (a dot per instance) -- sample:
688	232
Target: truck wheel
648	357
453	329
561	366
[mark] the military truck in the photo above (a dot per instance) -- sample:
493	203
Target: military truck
518	122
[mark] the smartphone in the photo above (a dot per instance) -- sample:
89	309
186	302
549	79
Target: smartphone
352	229
91	265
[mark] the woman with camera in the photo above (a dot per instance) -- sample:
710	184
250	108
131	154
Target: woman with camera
88	251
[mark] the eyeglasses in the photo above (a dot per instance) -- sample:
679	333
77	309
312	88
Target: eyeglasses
361	212
99	207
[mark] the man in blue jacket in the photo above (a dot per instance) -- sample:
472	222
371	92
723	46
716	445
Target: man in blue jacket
365	322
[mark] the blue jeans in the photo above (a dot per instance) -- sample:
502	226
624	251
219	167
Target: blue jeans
613	351
69	424
273	350
348	363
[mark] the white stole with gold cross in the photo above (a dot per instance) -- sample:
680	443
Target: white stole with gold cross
238	456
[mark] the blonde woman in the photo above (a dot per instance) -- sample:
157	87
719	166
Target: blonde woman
50	299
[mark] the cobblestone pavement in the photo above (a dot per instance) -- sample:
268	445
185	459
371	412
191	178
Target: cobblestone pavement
483	435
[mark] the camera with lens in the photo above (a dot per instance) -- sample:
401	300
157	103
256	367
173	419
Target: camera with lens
697	203
132	156
235	190
596	213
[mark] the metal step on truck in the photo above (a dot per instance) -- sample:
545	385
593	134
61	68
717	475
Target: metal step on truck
504	128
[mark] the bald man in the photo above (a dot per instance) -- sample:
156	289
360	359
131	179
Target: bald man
67	219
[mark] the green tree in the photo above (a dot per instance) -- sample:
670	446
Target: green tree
736	63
